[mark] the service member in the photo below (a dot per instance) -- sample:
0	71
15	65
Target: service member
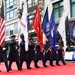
13	54
24	54
32	53
3	55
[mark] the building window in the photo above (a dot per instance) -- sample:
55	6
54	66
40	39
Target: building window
30	20
7	15
15	1
15	12
12	29
58	9
11	3
72	8
16	28
31	3
7	3
10	9
11	14
7	31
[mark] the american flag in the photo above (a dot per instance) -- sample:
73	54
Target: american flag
2	27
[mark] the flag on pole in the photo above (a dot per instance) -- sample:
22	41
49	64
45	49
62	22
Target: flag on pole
48	3
23	25
72	33
53	30
38	28
2	26
61	29
46	29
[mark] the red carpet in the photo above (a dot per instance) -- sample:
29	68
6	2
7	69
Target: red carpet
68	69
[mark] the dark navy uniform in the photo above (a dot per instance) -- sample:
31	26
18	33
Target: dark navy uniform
51	56
31	50
40	55
24	55
3	55
59	56
13	54
37	54
33	53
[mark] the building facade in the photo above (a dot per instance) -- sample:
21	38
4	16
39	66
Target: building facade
14	8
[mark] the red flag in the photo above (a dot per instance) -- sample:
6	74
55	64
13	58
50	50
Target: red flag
37	27
2	27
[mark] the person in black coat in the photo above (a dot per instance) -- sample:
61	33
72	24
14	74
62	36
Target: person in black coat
37	54
3	55
49	55
13	54
32	53
24	55
59	56
59	53
40	55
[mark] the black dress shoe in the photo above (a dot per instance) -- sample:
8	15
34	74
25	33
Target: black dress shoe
58	64
36	66
45	66
64	63
8	70
52	65
28	67
20	69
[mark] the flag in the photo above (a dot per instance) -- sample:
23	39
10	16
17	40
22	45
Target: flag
53	30
67	31
46	29
48	3
61	29
37	27
72	33
2	27
23	25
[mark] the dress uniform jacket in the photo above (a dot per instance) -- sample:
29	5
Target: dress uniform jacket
3	53
24	55
13	54
37	54
31	46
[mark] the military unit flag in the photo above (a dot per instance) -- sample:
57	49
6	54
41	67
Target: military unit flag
38	27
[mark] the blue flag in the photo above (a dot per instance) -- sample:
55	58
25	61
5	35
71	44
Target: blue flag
72	33
46	29
53	30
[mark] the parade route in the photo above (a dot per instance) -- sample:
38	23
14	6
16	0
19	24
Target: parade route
68	69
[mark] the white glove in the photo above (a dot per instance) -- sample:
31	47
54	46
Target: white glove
16	47
4	49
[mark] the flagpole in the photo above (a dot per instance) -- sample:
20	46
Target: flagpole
19	31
